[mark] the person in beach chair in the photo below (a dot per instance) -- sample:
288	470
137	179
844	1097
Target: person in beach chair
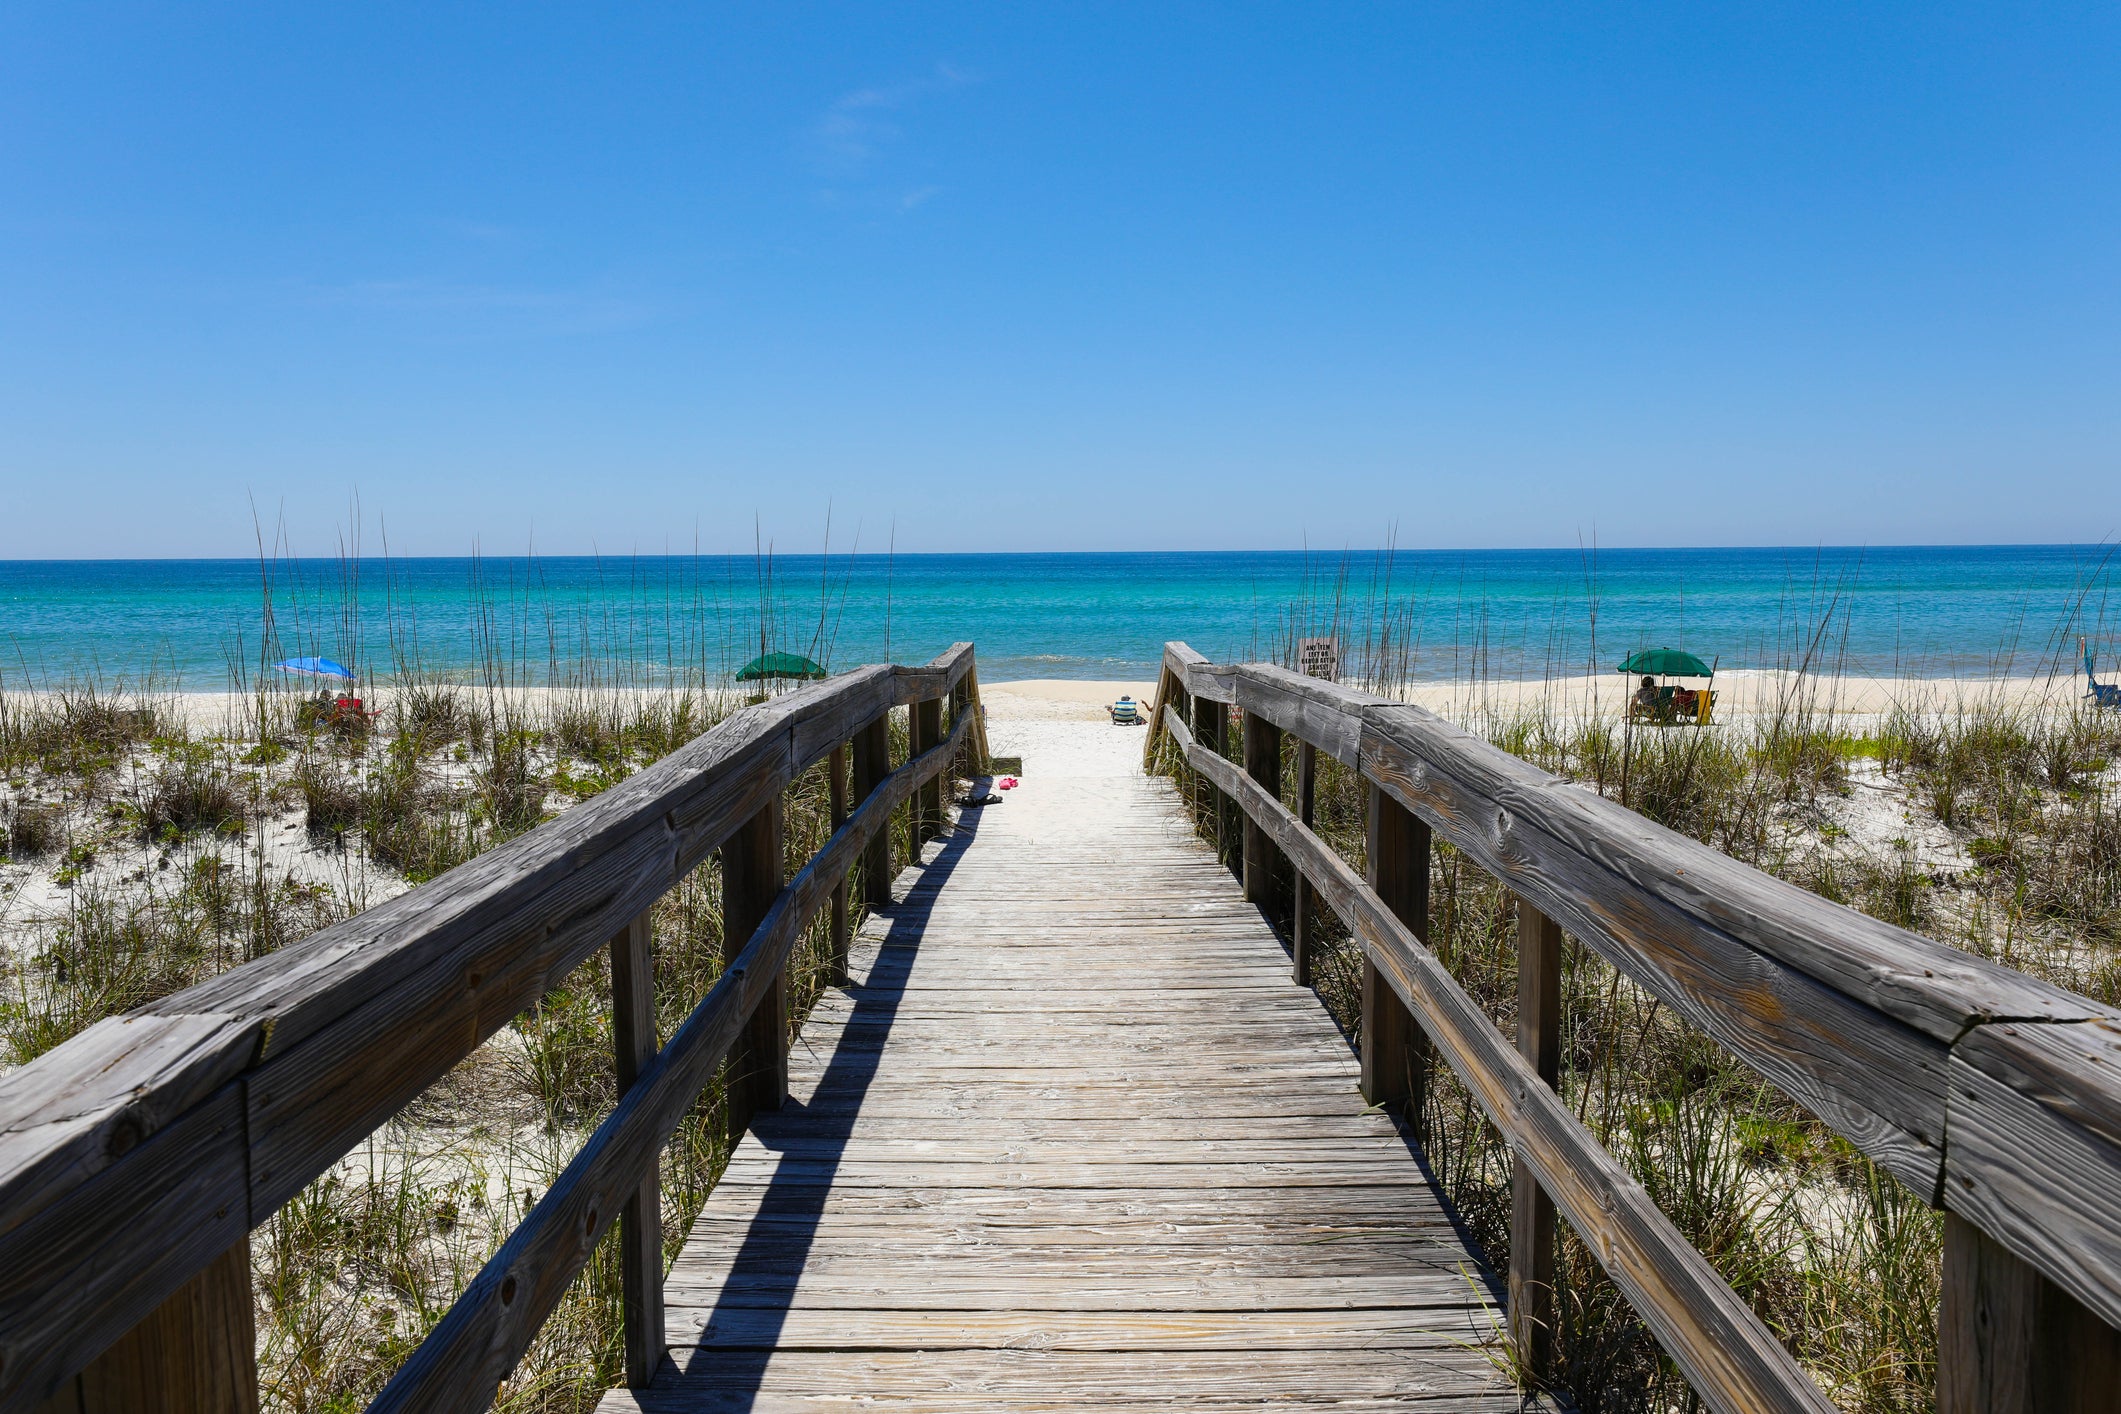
2102	694
1125	713
1668	705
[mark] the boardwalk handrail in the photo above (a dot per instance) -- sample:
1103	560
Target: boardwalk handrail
140	1152
1994	1096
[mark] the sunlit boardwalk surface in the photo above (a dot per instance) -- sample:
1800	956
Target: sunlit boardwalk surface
1074	1140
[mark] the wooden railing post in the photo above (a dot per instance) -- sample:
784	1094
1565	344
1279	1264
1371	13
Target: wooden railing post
931	793
196	1353
1264	867
2008	1339
751	876
640	1234
1531	1210
872	763
836	773
960	704
1211	729
923	730
1300	942
1207	719
1395	1052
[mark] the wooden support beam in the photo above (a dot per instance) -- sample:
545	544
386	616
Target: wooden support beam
1264	866
1395	1053
196	1353
1305	924
641	1220
976	752
2009	1341
928	800
961	703
1207	732
872	763
1531	1210
1209	720
751	877
836	779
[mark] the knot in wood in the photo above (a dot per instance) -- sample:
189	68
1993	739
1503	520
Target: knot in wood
125	1135
1504	824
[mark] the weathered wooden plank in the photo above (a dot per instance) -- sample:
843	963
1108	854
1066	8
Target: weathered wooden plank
848	1250
1171	1177
733	1393
946	1287
1434	1327
1096	1379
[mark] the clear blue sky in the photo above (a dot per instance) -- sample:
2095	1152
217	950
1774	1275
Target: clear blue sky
1058	277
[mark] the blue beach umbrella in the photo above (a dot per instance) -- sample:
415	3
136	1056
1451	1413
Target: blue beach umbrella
314	668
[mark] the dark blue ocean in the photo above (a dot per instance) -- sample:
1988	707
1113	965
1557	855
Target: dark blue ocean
203	624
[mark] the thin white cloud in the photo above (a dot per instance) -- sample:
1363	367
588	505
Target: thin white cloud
851	137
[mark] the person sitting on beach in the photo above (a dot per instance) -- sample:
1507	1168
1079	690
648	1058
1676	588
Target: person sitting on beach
1646	695
1684	701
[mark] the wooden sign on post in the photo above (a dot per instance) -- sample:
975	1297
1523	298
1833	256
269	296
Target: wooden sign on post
1319	658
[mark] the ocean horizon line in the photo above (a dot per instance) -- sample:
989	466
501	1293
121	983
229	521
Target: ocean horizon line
1840	547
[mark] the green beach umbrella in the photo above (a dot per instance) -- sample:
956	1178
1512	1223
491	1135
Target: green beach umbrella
1667	663
779	665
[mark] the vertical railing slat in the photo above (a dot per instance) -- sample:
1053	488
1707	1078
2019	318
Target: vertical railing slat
836	771
1264	866
640	1234
196	1353
1395	1052
2009	1341
1304	924
751	876
927	810
872	763
1531	1210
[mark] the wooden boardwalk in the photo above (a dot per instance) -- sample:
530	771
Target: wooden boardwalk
1074	1141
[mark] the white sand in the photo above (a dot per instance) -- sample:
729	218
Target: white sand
1740	693
1059	699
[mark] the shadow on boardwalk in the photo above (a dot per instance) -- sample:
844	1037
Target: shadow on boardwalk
775	1250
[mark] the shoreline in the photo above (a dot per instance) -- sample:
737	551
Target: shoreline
1741	693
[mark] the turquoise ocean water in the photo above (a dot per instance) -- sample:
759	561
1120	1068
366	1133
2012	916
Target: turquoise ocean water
203	624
